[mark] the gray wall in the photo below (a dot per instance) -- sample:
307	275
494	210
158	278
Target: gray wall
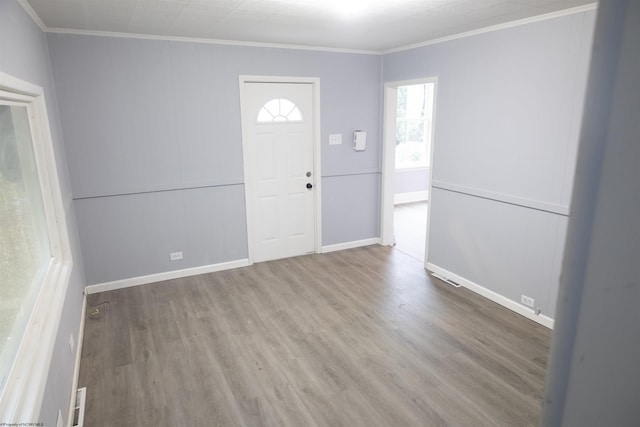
410	181
593	377
153	133
24	54
508	109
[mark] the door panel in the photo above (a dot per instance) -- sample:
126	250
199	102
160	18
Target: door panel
279	148
269	207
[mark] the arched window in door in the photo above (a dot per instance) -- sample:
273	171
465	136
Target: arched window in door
279	110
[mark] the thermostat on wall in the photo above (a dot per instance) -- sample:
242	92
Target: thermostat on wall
359	140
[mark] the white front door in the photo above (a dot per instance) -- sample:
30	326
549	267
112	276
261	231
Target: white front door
278	128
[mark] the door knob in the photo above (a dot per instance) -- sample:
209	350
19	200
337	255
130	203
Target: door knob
309	186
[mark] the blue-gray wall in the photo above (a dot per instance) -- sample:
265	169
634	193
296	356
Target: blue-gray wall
593	377
24	54
153	147
411	180
508	110
155	150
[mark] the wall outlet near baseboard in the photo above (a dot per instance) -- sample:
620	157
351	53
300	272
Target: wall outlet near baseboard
528	301
175	256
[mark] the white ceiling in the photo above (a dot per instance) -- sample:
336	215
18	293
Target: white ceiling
372	25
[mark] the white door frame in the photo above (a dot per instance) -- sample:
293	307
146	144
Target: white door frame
249	191
389	157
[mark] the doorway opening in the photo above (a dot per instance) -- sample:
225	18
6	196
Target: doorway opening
408	152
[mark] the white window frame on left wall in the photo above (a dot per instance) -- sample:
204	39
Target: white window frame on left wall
21	398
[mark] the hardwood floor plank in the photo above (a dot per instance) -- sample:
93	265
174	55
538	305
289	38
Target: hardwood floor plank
363	337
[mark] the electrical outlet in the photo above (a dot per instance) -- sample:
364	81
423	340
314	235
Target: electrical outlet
175	256
528	301
72	343
335	139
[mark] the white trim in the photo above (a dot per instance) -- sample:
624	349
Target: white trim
553	208
317	164
497	27
410	197
317	156
368	171
32	14
161	277
389	119
76	368
248	187
208	41
350	245
413	169
21	398
493	296
434	121
12	84
82	195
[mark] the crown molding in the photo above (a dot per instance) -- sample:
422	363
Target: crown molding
497	27
571	11
208	41
32	13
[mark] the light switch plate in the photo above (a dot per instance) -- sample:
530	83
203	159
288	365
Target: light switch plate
335	139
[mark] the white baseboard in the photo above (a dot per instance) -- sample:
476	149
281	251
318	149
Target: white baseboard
76	368
493	296
415	196
169	275
350	245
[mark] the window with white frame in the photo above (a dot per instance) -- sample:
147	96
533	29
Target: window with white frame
35	258
413	126
25	251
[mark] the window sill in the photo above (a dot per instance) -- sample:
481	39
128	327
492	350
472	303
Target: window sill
23	393
412	169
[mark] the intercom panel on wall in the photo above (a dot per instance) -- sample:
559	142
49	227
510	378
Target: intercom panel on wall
359	140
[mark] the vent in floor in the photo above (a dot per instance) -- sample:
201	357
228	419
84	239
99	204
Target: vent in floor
78	410
444	279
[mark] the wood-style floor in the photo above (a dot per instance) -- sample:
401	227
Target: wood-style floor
410	228
362	337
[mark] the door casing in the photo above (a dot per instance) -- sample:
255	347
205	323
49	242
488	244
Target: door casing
249	190
389	157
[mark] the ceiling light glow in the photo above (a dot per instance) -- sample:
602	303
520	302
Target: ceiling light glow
350	7
353	7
